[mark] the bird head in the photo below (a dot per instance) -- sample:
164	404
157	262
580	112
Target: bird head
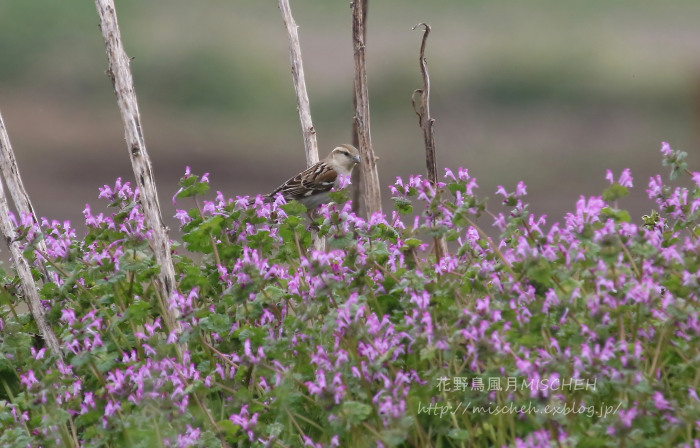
344	158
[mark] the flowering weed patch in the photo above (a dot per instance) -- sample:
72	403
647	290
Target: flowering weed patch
582	333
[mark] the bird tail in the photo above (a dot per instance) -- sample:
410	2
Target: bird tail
264	199
259	200
256	199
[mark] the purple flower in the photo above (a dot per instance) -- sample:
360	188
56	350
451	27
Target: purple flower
660	402
609	176
666	149
626	416
112	407
421	299
189	438
696	178
463	173
245	421
625	178
28	379
183	217
37	354
343	181
68	316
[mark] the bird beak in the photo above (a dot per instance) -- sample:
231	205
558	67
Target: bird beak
356	159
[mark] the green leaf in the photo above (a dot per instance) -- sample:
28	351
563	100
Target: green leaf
341	241
18	342
615	192
403	206
458	434
651	220
229	429
219	323
293	208
191	187
454	187
212	225
617	215
592	442
293	221
255	334
356	412
412	243
49	291
379	249
339	197
275	293
139	309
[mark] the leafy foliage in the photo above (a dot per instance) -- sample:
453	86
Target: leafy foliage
585	333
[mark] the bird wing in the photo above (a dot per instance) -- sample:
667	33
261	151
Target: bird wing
318	178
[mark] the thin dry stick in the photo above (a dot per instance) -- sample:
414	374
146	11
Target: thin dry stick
307	127
10	172
427	123
369	179
357	204
25	275
120	74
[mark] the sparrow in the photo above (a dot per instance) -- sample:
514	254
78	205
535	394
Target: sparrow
311	186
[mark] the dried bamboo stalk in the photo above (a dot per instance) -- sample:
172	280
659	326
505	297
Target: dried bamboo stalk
307	127
357	203
10	172
369	178
25	275
427	124
120	74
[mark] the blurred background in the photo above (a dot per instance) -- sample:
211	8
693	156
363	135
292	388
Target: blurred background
545	91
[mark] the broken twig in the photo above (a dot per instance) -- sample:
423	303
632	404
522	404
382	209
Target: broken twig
427	124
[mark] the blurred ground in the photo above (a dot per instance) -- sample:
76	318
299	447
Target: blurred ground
548	92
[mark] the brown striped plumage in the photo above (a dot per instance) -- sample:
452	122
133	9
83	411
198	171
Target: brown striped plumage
311	186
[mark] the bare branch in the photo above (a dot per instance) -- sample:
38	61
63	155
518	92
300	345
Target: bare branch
24	273
357	203
10	172
307	127
421	105
120	74
422	109
369	178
